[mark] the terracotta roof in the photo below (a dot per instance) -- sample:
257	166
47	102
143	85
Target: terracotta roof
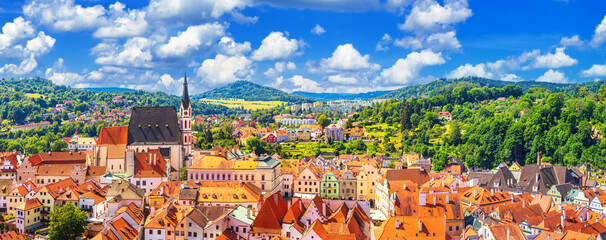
170	189
500	232
268	220
401	227
12	235
228	234
232	192
96	170
417	176
572	235
97	199
545	235
151	164
113	135
30	204
125	230
58	188
59	157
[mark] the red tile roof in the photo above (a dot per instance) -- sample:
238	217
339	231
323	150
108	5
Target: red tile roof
113	135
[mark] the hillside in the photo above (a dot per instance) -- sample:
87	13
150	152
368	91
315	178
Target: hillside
110	90
341	96
250	92
439	86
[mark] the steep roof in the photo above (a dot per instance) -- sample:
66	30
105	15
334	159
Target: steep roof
500	231
154	125
113	135
270	214
59	157
12	235
185	102
417	176
150	165
29	204
58	188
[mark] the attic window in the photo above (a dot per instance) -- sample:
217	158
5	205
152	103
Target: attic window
235	196
243	196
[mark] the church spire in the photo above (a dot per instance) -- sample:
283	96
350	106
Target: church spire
185	98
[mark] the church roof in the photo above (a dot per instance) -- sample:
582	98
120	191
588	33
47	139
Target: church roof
154	125
185	99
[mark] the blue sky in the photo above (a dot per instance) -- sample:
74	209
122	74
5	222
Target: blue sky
300	45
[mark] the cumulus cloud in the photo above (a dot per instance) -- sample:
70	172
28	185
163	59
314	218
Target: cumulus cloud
596	70
224	69
554	60
26	66
136	52
192	11
276	46
342	79
405	71
553	76
318	30
40	45
571	41
14	31
599	35
344	58
65	15
278	68
431	25
478	70
382	45
59	74
191	40
304	84
227	46
123	23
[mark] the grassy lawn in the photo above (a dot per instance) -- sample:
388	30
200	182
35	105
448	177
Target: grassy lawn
34	95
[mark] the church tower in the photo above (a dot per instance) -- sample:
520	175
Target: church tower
185	118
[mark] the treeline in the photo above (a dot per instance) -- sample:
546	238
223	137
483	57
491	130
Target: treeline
565	127
251	92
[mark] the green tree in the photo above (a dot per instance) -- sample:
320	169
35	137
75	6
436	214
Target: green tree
67	222
323	121
183	174
455	133
59	146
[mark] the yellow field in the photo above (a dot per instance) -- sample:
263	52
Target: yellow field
241	103
34	95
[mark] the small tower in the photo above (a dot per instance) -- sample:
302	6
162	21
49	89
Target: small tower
185	117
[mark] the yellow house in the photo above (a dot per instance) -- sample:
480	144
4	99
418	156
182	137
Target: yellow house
318	104
49	194
356	133
366	180
515	166
15	198
28	216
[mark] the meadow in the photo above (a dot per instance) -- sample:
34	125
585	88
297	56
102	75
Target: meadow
243	104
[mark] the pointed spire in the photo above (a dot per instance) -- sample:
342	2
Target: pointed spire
185	98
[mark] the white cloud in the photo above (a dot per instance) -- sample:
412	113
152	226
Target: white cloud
595	71
512	78
431	25
227	46
192	11
405	71
382	45
336	5
168	82
318	30
478	70
276	46
123	23
40	45
26	66
571	41
278	68
304	84
553	76
136	52
429	15
14	31
440	41
224	69
59	74
342	80
191	40
344	58
554	60
599	36
65	15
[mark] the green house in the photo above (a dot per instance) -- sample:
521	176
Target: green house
329	186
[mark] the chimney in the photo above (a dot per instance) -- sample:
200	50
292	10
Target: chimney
508	234
539	158
276	198
434	200
447	199
523	203
420	226
397	224
562	221
475	192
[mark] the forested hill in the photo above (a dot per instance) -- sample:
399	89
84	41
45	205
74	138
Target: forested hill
25	100
443	85
251	92
341	96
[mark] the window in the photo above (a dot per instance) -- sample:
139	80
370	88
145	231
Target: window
159	232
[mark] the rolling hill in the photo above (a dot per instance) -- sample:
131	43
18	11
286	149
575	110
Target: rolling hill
110	90
438	86
250	92
341	96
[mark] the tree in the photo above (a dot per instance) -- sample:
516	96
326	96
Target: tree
67	222
183	174
323	121
602	93
455	133
59	146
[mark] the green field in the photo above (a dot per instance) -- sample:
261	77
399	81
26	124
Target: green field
241	103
